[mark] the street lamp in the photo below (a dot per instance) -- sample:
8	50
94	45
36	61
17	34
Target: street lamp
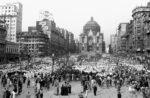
21	52
53	55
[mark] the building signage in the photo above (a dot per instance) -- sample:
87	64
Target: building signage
44	25
45	15
139	9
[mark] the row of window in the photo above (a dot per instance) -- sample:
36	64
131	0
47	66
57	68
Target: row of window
11	50
30	41
10	20
2	45
97	48
30	47
31	51
7	7
8	11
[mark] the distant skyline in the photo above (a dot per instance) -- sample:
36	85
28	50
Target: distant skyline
74	14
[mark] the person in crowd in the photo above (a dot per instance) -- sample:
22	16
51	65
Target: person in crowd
86	88
62	89
57	87
13	94
4	93
38	94
7	93
119	94
81	95
41	93
28	83
94	88
28	95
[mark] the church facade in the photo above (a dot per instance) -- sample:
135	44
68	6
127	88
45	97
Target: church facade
91	39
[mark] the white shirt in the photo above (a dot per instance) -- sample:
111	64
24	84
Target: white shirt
92	81
13	94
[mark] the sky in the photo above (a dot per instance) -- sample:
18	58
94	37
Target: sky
74	14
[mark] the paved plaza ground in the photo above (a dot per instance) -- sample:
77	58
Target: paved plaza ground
76	89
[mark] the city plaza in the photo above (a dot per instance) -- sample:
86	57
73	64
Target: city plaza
47	62
107	66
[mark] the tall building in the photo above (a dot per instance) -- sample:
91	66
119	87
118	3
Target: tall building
147	31
121	41
71	43
32	29
12	14
11	51
33	43
129	37
65	34
138	15
113	43
56	42
3	34
77	46
46	26
91	38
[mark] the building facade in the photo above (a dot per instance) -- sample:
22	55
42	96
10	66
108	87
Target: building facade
112	43
32	29
12	14
33	43
103	47
11	51
77	46
134	38
91	40
61	41
138	15
129	38
3	34
121	40
56	40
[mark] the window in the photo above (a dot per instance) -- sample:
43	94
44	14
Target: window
97	39
83	40
82	47
97	48
6	49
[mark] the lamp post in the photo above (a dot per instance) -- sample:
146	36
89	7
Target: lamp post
21	52
53	55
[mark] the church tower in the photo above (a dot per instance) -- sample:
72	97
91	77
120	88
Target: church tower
91	38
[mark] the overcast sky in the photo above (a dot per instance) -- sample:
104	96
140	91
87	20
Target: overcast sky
73	14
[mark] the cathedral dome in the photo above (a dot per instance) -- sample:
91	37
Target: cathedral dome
91	25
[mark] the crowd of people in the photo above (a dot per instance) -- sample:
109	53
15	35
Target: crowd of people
118	72
110	71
